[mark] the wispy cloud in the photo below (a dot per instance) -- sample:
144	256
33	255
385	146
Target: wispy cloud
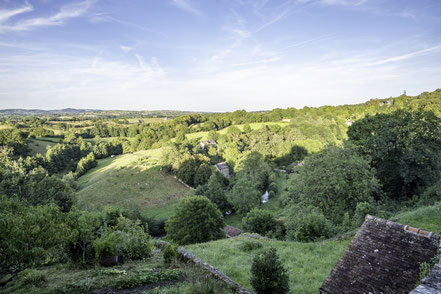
66	12
6	14
344	2
107	18
186	6
405	56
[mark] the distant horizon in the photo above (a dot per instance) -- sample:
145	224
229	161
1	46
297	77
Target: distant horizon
206	111
215	55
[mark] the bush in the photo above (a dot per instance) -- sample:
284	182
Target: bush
362	209
273	187
250	246
195	220
127	238
268	274
271	194
259	221
308	224
169	252
32	277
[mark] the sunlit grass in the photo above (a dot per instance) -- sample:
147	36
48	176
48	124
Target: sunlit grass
308	264
427	218
131	181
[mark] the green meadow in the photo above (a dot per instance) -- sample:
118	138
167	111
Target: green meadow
131	181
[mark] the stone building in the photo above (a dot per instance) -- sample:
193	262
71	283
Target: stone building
223	168
207	143
384	257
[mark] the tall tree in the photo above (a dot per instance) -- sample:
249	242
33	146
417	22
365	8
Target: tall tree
404	148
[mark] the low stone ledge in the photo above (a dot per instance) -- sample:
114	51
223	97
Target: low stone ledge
215	273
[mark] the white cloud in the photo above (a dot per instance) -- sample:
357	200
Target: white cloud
66	12
405	56
186	6
57	81
6	14
126	48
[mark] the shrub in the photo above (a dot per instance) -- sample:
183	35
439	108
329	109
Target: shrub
127	238
271	194
169	252
362	209
273	187
195	220
259	221
308	224
250	246
148	277
268	274
32	277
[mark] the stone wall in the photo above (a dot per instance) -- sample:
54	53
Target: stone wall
432	283
215	273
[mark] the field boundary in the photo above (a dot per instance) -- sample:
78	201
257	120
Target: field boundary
215	273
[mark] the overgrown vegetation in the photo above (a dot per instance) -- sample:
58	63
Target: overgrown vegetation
329	176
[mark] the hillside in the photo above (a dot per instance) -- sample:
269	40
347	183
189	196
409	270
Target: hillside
130	181
308	264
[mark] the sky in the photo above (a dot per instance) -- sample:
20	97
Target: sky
215	55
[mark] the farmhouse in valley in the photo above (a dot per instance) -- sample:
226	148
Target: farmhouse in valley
384	257
223	168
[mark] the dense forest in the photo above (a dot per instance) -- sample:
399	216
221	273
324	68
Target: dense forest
328	167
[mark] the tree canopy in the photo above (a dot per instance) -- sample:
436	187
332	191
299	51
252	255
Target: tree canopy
195	220
403	147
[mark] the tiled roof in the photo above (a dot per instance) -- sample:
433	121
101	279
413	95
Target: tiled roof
384	257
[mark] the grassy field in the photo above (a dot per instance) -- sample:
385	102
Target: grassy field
39	146
130	181
427	218
308	264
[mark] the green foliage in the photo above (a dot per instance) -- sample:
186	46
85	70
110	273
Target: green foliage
268	276
259	221
244	196
271	194
85	164
404	148
84	226
169	252
335	181
148	277
248	246
30	234
273	187
32	277
363	209
214	190
307	224
253	167
195	220
127	238
63	156
14	139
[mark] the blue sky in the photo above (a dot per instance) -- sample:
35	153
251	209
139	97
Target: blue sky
215	55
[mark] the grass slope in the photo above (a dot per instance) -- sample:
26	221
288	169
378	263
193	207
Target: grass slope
427	218
308	264
130	181
40	146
